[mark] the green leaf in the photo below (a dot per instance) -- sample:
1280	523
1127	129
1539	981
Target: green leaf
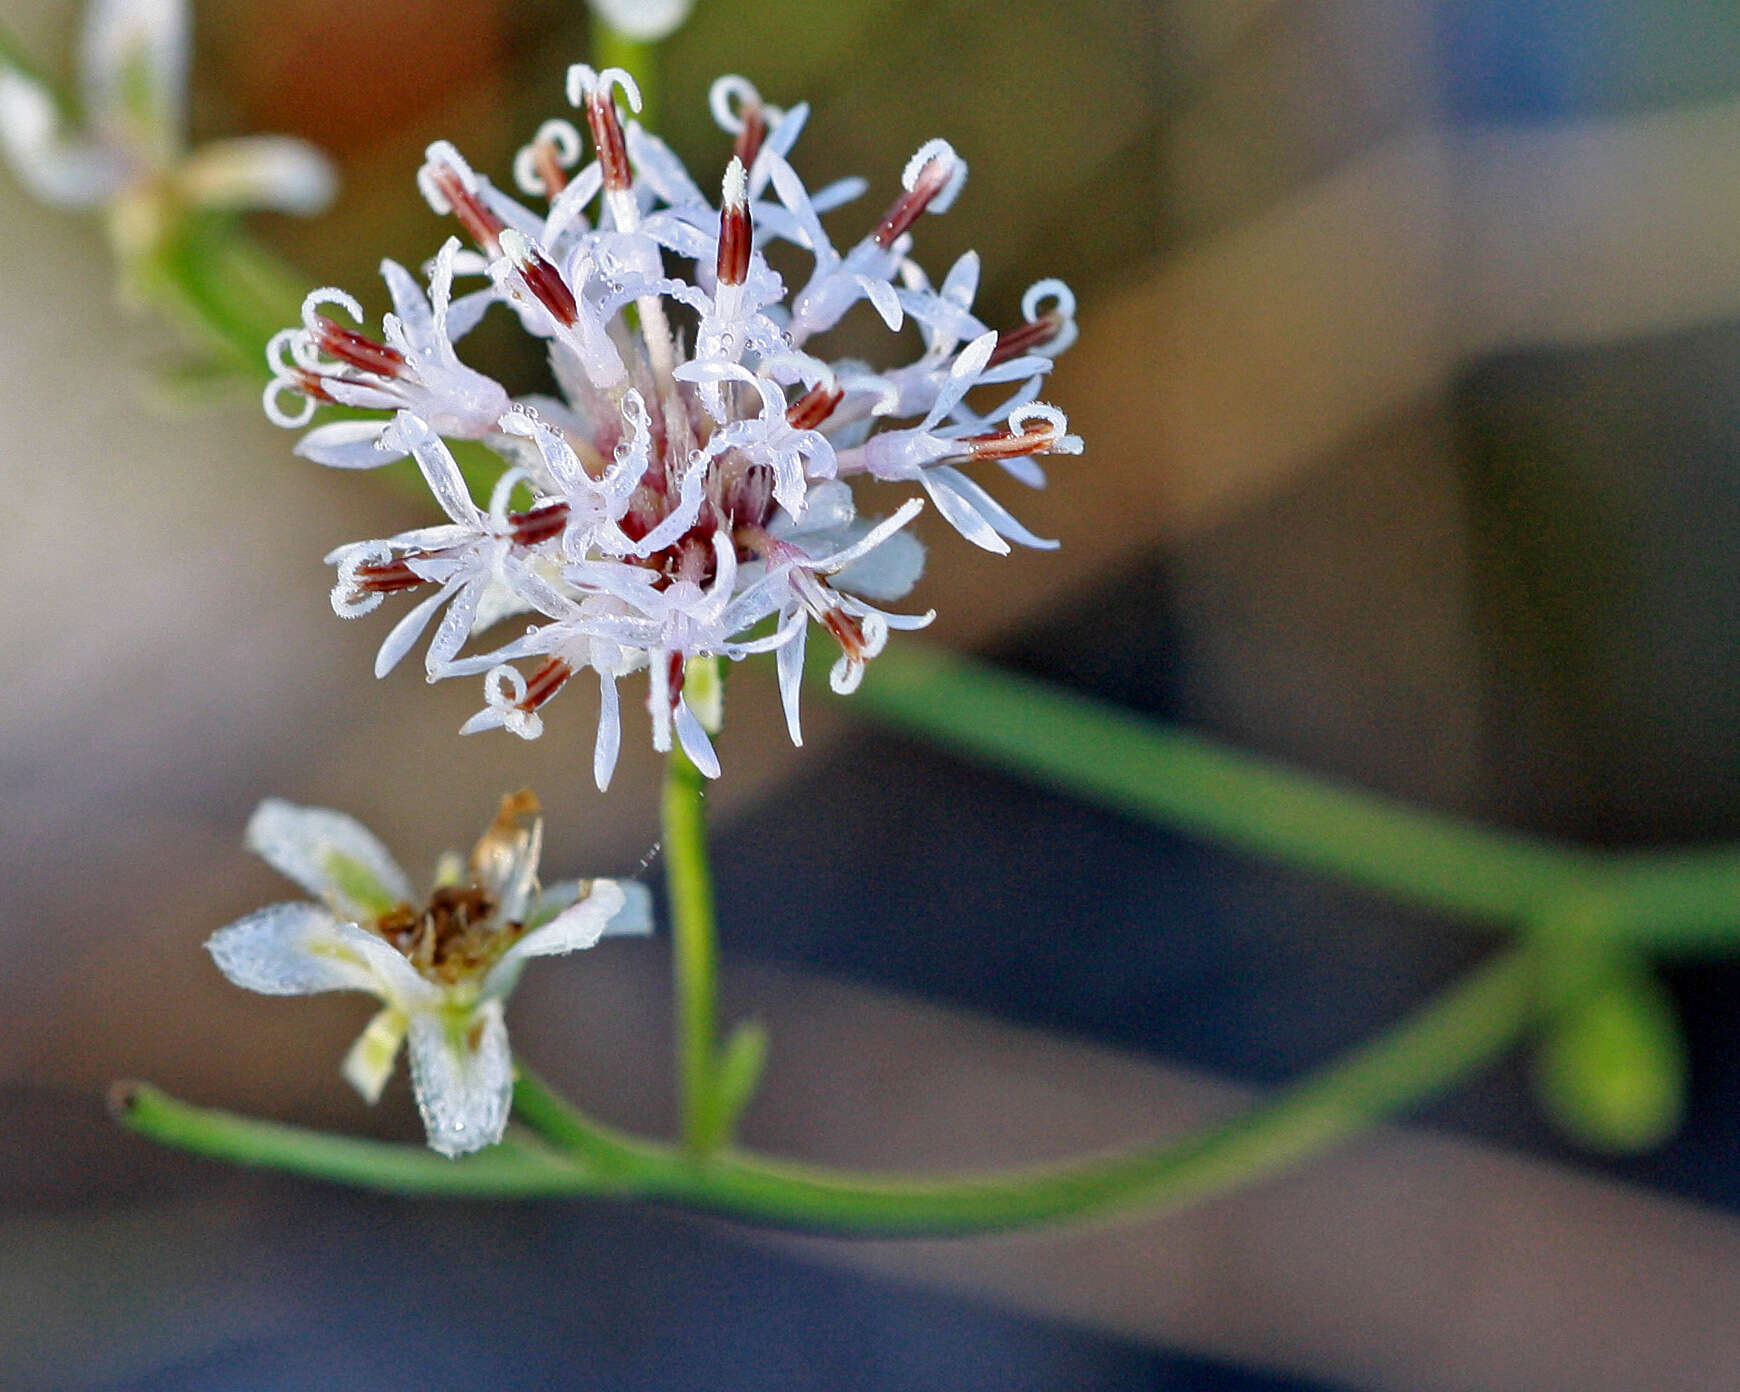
1611	1068
735	1083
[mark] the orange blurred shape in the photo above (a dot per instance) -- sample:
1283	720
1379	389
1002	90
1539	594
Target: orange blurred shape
346	73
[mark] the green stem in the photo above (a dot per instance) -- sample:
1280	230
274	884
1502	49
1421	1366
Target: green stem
512	1169
694	946
1686	901
1454	1035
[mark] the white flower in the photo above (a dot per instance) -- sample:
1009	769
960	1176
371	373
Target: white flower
646	21
692	481
441	972
132	158
415	369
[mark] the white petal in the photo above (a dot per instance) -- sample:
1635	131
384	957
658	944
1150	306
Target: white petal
790	665
990	509
369	1063
575	928
259	171
133	71
72	173
455	626
409	301
608	743
465	313
961	515
888	572
463	1076
694	740
301	949
351	444
407	630
440	471
332	856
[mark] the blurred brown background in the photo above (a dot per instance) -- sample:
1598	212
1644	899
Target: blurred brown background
1407	373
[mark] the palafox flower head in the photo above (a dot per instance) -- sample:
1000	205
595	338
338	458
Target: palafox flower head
441	971
687	493
131	158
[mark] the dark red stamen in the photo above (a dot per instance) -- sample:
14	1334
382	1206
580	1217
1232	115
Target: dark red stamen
754	131
735	239
814	406
484	227
544	683
359	350
906	209
538	525
1003	445
309	384
546	284
847	631
388	577
1024	338
608	137
549	168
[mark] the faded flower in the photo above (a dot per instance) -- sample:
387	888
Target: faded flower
441	971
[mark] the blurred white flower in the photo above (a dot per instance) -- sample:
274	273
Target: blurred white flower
440	972
131	158
646	21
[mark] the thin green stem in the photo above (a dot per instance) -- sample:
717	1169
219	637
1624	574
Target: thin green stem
1685	901
1454	1035
694	947
512	1169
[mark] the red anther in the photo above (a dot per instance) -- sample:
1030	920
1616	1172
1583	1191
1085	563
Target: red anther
847	631
907	208
546	284
538	525
754	131
388	577
814	406
484	227
359	350
1024	338
543	684
674	675
1003	445
310	384
735	238
549	167
607	135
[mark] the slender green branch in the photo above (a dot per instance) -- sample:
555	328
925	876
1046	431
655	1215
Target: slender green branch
1659	900
512	1169
1451	1037
694	946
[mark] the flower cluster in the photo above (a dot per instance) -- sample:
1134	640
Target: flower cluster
687	495
441	972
